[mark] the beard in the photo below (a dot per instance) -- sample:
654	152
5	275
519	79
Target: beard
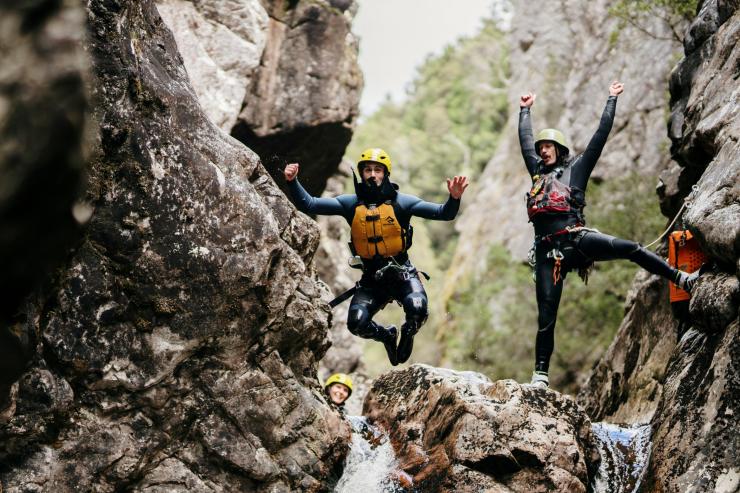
370	192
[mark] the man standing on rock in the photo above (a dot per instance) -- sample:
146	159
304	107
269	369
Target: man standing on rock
562	242
381	235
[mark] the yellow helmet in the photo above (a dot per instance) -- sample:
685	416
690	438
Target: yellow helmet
339	378
375	155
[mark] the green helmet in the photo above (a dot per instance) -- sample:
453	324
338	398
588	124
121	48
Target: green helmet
552	135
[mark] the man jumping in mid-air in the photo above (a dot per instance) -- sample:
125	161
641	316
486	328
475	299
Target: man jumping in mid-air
380	218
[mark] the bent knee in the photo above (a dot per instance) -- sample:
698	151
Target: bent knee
358	319
415	306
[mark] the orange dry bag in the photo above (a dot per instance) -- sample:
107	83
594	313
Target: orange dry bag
684	253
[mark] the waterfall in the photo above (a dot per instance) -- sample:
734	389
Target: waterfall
371	465
624	455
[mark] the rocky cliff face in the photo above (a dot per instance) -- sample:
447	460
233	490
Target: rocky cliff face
303	104
283	76
685	382
280	75
458	431
43	103
167	353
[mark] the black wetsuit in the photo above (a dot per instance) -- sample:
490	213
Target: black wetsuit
372	294
579	249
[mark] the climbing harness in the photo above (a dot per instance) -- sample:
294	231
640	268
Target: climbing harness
343	297
399	271
392	269
557	255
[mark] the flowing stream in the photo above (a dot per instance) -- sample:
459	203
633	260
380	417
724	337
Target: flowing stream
624	455
371	465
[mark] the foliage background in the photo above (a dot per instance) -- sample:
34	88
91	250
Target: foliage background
451	123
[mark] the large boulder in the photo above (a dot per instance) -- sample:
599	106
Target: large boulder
682	375
303	104
221	43
178	348
281	76
458	431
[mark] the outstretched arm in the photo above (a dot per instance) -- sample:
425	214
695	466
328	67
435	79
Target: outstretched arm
442	212
598	141
526	139
307	203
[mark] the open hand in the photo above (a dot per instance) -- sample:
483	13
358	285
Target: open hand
616	88
457	186
291	171
527	100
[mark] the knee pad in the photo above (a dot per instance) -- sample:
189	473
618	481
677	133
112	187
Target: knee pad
358	322
415	306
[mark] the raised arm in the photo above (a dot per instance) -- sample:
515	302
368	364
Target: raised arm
307	203
441	212
526	138
598	141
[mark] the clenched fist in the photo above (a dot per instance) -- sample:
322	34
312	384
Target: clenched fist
616	88
291	171
527	100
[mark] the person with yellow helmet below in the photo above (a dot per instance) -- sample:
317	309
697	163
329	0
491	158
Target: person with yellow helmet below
555	206
381	233
338	388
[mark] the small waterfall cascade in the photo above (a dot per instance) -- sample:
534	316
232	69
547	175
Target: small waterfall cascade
371	465
624	455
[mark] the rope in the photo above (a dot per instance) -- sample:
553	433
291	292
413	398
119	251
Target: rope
686	203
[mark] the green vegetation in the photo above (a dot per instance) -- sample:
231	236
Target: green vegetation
641	13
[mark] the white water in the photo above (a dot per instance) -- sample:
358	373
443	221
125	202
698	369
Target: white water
371	465
624	455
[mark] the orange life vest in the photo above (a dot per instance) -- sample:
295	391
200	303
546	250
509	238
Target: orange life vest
376	231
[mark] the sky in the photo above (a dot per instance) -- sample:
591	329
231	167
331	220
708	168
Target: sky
397	35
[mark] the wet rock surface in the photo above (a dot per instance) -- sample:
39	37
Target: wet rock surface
681	375
458	431
43	105
166	352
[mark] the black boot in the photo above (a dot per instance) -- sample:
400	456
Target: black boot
388	335
406	344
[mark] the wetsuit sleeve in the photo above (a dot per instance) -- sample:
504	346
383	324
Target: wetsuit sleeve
309	204
429	210
526	141
593	151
